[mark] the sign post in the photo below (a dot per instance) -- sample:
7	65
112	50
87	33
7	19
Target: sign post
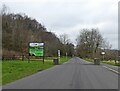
59	54
103	53
36	49
66	55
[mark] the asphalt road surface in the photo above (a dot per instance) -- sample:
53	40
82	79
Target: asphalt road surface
75	74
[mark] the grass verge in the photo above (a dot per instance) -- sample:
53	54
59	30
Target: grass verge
89	60
16	69
112	62
0	72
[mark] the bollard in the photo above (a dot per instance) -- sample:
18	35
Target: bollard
55	61
96	61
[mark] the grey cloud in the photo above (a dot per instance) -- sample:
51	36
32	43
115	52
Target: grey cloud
73	15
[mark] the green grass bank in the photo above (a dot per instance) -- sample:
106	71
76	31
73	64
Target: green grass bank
16	69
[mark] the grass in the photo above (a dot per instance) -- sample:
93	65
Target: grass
0	72
89	60
16	69
111	62
63	59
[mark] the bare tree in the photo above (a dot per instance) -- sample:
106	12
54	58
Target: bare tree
19	30
4	9
66	47
89	42
106	44
64	38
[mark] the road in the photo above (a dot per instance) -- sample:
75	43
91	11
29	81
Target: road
75	74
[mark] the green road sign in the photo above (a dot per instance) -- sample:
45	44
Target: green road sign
36	49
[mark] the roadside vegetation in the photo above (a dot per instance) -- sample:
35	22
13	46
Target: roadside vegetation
0	72
19	29
16	69
110	62
89	60
91	44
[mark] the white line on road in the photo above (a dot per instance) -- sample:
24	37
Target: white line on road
111	69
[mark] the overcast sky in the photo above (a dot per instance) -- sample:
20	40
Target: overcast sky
70	16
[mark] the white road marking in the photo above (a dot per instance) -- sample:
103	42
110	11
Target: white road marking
111	69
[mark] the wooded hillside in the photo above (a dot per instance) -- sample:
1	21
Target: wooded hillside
18	30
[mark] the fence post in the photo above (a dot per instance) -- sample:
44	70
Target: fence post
22	57
3	57
13	57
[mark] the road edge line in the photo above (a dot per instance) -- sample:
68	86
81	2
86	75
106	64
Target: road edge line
111	70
